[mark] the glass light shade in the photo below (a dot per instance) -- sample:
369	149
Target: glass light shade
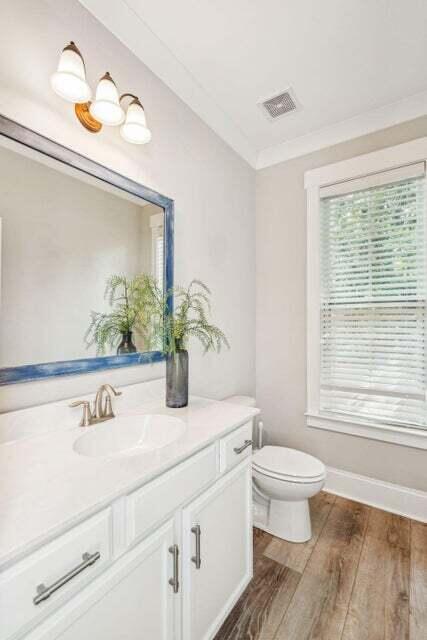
135	129
69	81
106	107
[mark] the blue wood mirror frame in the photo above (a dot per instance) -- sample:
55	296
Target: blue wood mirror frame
28	138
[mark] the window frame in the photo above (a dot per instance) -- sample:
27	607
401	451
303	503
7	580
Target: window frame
357	167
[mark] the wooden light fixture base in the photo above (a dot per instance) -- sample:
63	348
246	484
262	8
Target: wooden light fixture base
85	118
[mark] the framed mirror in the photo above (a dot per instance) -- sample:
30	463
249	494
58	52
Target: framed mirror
74	238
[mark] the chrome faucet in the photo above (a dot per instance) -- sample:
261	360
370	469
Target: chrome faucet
102	409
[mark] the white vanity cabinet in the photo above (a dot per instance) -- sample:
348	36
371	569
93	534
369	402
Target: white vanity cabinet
177	554
217	553
131	601
41	582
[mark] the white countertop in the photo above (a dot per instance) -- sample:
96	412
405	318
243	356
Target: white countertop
46	486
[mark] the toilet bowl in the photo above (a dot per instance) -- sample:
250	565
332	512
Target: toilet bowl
286	479
283	481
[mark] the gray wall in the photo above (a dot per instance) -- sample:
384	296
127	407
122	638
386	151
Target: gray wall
281	318
213	188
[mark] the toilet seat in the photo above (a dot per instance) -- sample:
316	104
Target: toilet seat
288	465
291	479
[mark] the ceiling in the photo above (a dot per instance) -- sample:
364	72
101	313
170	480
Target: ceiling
354	66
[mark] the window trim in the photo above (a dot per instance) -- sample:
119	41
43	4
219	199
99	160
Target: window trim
357	167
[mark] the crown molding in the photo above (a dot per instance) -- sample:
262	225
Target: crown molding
134	33
375	120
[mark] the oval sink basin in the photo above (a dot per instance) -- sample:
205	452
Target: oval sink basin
130	434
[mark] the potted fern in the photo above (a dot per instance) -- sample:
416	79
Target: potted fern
115	328
172	331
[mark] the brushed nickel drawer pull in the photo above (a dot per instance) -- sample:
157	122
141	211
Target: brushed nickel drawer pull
237	450
197	559
43	592
174	582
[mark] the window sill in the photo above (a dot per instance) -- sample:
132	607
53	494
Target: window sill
407	437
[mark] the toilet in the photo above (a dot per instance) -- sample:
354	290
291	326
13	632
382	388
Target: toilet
283	481
287	478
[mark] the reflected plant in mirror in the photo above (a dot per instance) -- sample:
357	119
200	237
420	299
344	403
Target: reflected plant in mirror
190	319
136	307
108	329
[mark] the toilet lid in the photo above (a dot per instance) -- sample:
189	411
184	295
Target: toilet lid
288	462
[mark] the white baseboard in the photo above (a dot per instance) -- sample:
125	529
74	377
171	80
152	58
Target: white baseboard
403	501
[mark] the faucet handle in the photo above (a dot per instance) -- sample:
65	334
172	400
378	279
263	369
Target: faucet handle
108	408
87	413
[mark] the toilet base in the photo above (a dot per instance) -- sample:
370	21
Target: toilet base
290	520
286	520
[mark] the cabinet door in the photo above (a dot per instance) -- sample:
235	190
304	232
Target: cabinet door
223	515
131	601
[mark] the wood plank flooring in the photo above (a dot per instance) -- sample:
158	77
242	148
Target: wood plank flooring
362	576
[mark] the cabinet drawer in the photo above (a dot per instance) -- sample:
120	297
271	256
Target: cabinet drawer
235	447
155	501
62	566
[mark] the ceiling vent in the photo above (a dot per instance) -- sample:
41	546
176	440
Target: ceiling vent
279	105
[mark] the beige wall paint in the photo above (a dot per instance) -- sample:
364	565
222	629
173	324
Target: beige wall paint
213	188
281	318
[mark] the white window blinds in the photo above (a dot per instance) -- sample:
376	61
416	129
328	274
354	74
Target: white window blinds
158	266
373	298
157	248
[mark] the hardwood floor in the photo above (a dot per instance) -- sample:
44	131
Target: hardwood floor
362	576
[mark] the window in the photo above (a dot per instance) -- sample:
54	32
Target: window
368	367
157	250
158	257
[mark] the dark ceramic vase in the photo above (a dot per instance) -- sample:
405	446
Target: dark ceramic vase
126	345
177	379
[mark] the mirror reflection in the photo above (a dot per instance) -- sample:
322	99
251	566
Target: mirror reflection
72	251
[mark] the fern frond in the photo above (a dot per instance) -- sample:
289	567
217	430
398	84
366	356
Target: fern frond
138	304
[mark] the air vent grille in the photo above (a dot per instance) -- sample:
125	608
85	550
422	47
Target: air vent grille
279	105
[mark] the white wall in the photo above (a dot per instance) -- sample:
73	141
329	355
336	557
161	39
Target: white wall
212	187
281	319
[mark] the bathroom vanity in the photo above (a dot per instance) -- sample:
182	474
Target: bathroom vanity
151	543
139	527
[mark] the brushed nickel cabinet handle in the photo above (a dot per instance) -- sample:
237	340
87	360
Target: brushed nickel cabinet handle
43	592
197	559
247	443
174	581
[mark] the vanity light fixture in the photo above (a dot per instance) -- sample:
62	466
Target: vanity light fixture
69	82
